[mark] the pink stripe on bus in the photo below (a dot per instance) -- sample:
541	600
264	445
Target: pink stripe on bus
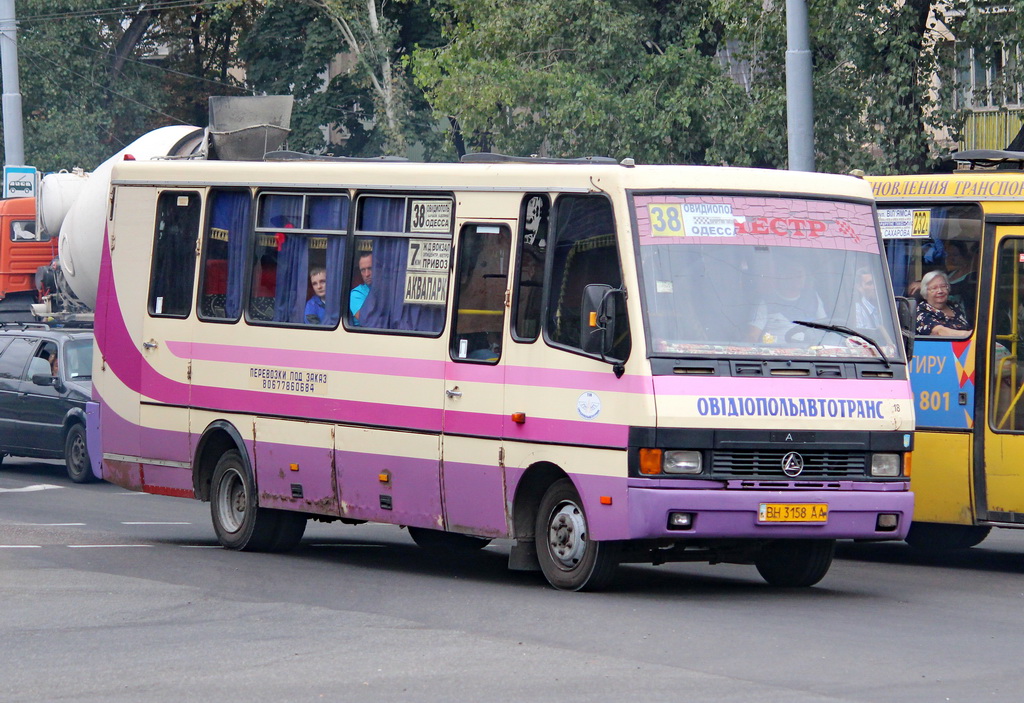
782	387
415	368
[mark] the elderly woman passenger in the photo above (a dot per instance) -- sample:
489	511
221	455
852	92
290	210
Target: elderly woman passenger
936	316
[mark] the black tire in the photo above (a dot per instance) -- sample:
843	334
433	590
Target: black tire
795	563
237	519
570	560
76	455
934	537
446	542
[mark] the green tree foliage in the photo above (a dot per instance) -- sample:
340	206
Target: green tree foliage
572	77
640	78
371	98
93	78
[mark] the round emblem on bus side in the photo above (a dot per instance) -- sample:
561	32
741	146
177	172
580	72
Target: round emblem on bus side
588	405
792	464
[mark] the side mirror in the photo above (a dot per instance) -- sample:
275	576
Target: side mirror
906	311
599	312
597	319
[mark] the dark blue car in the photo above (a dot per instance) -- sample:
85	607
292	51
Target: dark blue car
45	381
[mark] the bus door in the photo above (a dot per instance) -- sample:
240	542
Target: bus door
473	479
1001	497
166	336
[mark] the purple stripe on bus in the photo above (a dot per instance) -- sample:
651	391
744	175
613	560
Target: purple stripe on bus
474	499
312	477
412	489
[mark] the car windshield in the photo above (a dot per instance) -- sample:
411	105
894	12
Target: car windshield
730	275
78	359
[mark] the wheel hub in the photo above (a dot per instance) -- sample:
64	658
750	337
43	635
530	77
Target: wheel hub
567	535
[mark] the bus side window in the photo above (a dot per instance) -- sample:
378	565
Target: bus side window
533	243
584	253
399	274
298	235
480	293
225	248
174	254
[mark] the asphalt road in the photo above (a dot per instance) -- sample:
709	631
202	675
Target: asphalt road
107	595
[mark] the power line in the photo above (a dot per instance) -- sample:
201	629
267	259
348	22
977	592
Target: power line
122	10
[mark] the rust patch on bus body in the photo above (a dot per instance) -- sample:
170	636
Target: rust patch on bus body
127	474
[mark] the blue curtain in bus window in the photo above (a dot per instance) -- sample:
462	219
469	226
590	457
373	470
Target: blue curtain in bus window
331	213
231	212
934	252
383	215
292	268
899	253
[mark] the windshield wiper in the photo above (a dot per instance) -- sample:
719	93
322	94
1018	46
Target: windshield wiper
849	333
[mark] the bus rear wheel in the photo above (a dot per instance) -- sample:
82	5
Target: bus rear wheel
795	563
569	559
935	537
237	519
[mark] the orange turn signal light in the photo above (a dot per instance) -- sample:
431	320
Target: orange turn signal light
650	462
293	467
606	500
906	463
519	418
593	319
384	477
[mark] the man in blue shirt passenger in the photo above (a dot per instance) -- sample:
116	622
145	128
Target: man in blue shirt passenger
316	309
359	293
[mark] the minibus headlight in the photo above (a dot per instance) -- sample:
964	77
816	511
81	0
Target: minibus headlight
885	465
682	462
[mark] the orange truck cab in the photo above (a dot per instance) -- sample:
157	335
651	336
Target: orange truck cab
22	251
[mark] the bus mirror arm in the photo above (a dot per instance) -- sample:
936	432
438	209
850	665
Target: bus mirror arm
906	312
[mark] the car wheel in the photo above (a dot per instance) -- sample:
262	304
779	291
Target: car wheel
76	455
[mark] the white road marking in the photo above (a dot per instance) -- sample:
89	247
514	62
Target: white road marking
30	489
156	523
105	546
53	524
20	546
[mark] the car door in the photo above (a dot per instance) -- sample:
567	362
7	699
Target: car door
42	407
13	360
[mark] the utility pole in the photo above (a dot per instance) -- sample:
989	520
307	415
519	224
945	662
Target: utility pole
14	146
799	88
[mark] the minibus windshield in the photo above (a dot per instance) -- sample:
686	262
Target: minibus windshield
742	276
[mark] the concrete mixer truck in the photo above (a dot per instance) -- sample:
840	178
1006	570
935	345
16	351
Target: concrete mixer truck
73	206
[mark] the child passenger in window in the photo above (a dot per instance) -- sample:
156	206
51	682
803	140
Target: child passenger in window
316	309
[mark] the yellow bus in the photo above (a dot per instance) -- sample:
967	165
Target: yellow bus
602	362
963	233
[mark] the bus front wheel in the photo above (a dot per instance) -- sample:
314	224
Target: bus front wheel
237	519
795	563
570	560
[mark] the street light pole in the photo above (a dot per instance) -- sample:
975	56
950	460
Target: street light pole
14	146
799	88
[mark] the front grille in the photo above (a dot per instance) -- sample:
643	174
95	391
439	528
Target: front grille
768	464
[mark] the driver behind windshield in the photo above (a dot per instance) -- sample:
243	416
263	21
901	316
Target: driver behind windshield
788	296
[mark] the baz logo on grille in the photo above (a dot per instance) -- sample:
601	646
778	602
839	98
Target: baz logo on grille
792	464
